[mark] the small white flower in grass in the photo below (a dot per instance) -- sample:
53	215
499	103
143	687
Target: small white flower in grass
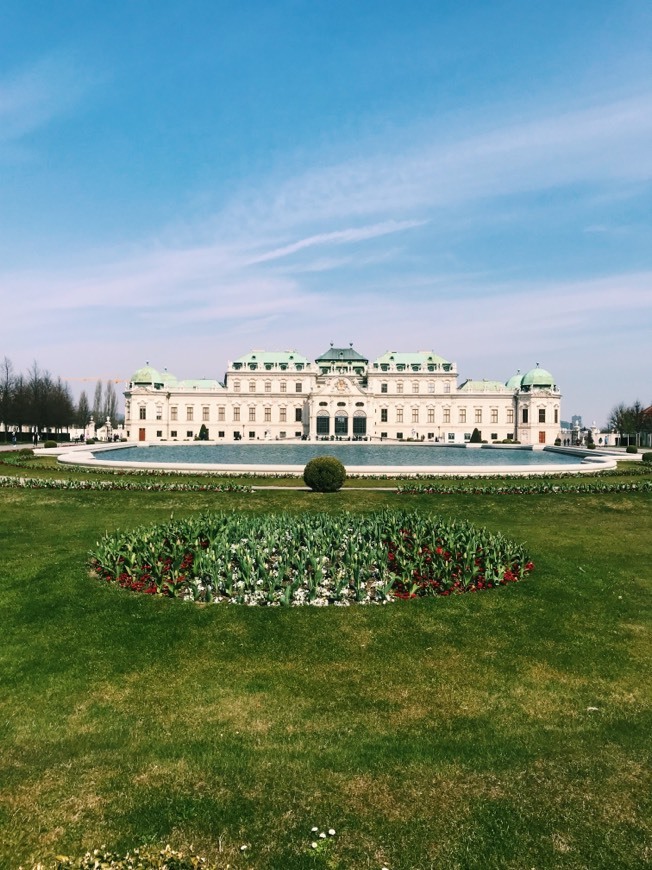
314	830
322	836
313	845
243	848
331	832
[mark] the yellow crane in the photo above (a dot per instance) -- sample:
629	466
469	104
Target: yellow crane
98	378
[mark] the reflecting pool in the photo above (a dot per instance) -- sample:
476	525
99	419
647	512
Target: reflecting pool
351	455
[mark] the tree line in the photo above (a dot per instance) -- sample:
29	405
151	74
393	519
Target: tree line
37	400
631	422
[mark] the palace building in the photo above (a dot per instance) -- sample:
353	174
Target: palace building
273	395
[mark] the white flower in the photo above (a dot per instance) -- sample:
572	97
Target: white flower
331	832
322	836
313	845
314	830
243	848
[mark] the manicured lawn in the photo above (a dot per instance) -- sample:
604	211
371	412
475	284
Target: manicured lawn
507	728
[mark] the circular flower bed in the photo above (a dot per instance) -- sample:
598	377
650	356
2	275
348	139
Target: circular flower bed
316	559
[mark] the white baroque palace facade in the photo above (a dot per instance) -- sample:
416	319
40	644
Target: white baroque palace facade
342	396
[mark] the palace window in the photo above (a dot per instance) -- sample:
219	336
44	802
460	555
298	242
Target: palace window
494	415
542	415
236	386
526	416
252	413
252	386
415	386
268	386
383	388
431	415
297	415
298	387
415	415
159	412
284	386
447	415
159	433
447	386
478	415
399	386
236	414
221	415
383	415
399	415
431	386
283	415
190	412
174	413
142	413
173	433
556	415
268	414
204	413
510	415
462	415
189	433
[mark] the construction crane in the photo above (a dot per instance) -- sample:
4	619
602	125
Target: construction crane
98	378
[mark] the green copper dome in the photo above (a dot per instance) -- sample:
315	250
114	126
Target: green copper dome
514	383
146	376
538	379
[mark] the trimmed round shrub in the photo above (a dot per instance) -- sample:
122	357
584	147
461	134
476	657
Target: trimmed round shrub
324	474
50	444
25	452
631	448
647	457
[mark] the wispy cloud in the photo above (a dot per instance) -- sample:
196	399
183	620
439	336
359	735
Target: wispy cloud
32	96
339	237
266	266
602	144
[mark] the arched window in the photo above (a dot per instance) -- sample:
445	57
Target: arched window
323	423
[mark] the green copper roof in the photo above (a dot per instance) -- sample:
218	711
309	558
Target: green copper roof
422	357
341	354
538	378
263	357
198	384
471	386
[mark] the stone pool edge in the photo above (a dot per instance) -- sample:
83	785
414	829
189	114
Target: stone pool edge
83	455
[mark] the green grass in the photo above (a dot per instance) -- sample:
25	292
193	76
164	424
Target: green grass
438	733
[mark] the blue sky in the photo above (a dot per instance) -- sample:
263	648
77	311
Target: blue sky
181	182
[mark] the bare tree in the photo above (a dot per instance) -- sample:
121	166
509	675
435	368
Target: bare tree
6	392
98	406
83	410
110	407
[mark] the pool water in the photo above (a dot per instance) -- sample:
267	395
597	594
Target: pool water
349	454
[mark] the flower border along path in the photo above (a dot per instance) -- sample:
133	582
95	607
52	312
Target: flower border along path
530	488
312	559
116	485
